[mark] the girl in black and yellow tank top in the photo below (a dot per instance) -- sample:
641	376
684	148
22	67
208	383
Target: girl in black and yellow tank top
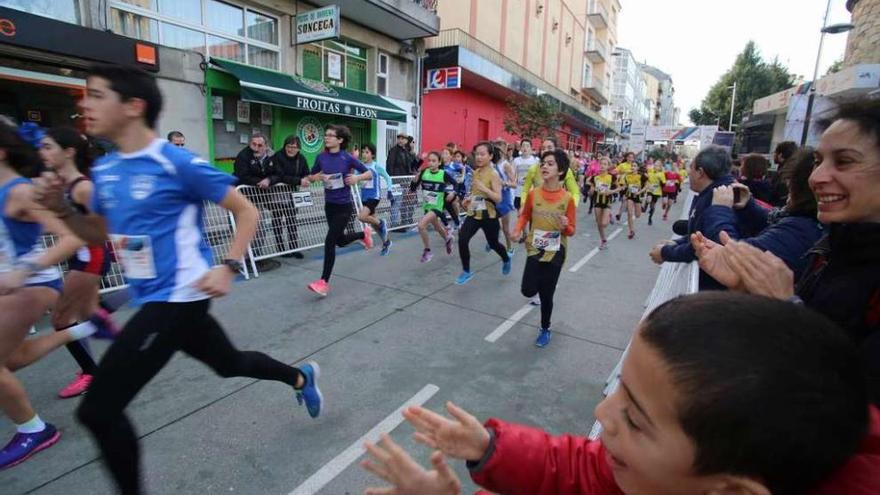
481	214
549	212
605	187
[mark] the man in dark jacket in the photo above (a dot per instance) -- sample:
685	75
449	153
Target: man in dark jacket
401	161
292	170
708	170
254	167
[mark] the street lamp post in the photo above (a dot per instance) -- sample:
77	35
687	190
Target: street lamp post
833	29
732	103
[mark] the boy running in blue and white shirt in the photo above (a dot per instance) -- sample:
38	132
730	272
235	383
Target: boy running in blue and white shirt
149	196
371	194
457	172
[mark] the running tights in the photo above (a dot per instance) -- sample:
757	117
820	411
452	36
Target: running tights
540	278
490	228
338	216
146	344
81	352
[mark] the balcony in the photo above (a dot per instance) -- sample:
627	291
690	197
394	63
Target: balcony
595	89
410	18
598	15
597	52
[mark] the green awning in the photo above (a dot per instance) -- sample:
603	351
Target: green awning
274	88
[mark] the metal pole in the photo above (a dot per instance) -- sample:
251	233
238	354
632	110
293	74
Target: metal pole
809	113
732	103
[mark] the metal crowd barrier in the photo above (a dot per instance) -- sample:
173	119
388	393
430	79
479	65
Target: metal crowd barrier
675	279
219	228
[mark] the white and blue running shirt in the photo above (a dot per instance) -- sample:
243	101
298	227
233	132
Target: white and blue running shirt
153	202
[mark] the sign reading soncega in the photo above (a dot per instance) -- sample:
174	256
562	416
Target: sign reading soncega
316	25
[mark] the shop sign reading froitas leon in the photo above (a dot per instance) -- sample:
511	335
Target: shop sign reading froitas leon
316	25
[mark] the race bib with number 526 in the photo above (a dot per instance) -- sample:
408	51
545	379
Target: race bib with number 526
547	240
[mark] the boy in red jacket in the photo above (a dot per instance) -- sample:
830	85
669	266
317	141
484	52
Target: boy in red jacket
721	393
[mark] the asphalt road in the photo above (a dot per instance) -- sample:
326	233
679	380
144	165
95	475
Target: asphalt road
392	330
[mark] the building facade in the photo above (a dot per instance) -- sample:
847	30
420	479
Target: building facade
629	100
209	53
514	49
662	93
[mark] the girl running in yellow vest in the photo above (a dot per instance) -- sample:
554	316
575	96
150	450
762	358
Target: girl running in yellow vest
605	188
481	214
550	214
656	178
633	184
433	181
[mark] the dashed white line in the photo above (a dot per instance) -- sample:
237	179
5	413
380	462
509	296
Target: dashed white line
583	261
339	463
508	323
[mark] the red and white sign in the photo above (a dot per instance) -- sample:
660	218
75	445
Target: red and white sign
445	78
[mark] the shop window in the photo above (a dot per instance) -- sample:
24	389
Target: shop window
336	62
217	28
229	132
61	10
382	74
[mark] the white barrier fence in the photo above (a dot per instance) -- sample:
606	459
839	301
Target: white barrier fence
675	279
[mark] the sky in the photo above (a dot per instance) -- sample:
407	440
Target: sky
696	41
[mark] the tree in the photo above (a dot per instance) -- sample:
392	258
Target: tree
754	78
835	67
532	117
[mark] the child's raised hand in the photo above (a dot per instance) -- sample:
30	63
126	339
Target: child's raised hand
462	438
394	465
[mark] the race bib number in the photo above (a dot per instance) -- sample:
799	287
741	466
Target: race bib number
368	184
135	252
334	181
396	191
547	240
654	187
670	183
478	203
302	199
431	197
603	187
633	189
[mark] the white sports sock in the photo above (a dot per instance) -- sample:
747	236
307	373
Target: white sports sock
35	425
82	330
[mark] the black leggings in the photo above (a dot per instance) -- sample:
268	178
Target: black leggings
338	216
471	225
146	344
540	278
81	353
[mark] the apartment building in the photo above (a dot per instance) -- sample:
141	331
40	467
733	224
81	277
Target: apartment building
519	48
228	68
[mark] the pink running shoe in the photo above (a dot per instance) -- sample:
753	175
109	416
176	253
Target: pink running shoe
368	237
450	240
320	287
78	386
427	256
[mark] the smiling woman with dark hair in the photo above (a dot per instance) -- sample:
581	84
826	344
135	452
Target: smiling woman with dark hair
842	275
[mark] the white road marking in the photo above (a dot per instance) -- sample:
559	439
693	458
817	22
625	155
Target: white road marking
509	323
339	463
583	261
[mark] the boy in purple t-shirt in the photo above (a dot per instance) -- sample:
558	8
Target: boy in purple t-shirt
334	168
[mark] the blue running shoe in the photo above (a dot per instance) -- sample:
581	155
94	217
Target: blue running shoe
386	246
543	337
24	445
383	230
464	278
310	393
506	266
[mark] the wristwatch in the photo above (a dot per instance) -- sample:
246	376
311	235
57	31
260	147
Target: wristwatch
234	265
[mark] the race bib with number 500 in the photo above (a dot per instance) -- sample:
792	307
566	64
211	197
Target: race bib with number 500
547	240
135	252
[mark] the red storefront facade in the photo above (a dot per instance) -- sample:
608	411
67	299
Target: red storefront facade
476	111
